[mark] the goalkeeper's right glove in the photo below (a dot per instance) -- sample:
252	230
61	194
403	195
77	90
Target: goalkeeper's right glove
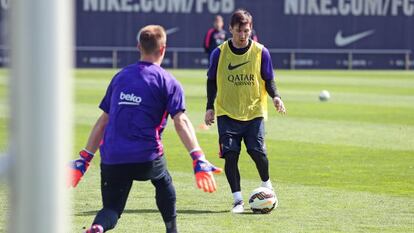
203	171
79	167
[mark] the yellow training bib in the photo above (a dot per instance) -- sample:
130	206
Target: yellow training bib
241	92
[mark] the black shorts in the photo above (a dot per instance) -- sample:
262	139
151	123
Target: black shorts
232	132
151	170
117	179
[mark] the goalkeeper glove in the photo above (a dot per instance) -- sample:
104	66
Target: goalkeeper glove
79	167
203	171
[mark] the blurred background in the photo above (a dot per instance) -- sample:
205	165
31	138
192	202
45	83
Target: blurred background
345	164
332	34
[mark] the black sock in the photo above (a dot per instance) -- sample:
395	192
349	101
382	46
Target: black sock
107	218
262	164
171	226
166	200
232	170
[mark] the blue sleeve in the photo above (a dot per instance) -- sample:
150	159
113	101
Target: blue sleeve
175	98
212	69
266	69
106	101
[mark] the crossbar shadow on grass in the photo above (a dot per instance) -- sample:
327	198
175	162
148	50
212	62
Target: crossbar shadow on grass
149	211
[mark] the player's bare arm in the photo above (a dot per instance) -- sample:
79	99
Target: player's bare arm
203	169
79	166
185	131
97	133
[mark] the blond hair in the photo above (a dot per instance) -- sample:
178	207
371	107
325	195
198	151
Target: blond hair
151	38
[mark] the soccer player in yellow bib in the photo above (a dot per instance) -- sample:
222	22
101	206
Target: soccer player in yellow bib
240	77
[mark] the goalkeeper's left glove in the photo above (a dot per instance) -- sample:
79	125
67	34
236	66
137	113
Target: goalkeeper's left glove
203	171
79	167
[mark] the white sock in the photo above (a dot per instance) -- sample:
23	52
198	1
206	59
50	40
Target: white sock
267	184
237	196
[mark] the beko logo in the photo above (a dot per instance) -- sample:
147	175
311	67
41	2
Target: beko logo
129	99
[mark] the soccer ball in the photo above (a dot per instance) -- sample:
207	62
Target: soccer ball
262	200
324	95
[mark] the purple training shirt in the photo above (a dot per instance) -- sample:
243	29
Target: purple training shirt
138	100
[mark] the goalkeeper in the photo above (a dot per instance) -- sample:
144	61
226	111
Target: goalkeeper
135	111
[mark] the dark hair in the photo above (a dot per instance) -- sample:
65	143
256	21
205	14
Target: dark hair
241	17
151	38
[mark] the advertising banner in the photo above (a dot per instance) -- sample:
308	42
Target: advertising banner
317	34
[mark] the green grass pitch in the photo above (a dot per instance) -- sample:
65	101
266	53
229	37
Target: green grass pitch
346	165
